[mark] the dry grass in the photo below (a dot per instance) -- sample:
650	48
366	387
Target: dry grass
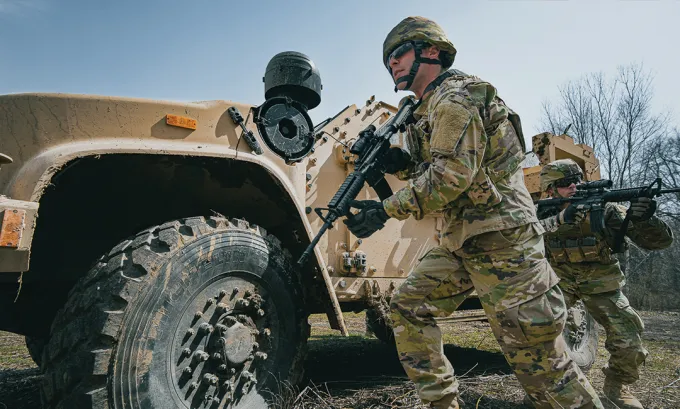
13	353
360	372
486	381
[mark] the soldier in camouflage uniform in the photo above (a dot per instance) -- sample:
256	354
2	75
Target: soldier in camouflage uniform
589	272
469	149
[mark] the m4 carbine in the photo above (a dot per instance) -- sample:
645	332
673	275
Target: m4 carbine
592	196
375	157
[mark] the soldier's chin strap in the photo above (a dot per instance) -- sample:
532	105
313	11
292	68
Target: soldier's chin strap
408	78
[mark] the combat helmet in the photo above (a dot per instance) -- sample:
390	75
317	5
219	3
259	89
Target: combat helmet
559	169
417	33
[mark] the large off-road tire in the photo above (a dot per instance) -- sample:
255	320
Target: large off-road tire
580	334
200	312
35	346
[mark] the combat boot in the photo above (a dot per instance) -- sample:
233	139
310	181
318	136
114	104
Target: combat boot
619	395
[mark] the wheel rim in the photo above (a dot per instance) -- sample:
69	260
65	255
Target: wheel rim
222	343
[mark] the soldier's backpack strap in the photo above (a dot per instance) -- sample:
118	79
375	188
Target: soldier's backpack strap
438	81
517	124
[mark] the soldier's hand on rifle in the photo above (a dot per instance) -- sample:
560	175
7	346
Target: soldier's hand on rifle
572	214
371	218
641	209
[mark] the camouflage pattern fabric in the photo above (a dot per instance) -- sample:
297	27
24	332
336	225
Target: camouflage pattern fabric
578	246
417	29
624	329
525	307
591	273
556	170
473	154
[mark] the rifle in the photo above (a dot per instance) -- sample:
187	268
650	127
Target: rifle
592	196
374	159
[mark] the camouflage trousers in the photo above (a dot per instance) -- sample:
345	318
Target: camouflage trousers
597	286
525	307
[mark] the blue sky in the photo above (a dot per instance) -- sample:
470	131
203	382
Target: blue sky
210	49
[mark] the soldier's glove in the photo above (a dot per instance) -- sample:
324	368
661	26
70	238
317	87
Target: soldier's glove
371	218
572	214
641	209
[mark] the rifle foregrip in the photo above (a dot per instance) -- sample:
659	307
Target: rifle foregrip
349	190
339	206
625	195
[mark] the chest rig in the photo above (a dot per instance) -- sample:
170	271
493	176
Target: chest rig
576	243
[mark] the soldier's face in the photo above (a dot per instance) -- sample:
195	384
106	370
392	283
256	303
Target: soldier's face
568	191
566	187
400	62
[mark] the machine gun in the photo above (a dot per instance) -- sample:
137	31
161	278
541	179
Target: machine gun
375	157
592	196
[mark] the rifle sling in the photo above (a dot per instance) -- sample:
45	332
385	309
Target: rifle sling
621	235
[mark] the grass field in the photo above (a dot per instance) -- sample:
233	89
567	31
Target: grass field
360	372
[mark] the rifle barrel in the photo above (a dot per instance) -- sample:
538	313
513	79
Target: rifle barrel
315	241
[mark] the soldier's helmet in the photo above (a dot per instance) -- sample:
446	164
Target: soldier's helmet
559	169
419	29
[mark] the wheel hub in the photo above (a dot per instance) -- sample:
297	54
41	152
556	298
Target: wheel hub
238	344
217	352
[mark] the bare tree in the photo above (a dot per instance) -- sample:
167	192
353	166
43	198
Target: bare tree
613	116
635	145
664	162
552	120
575	109
654	277
603	93
638	125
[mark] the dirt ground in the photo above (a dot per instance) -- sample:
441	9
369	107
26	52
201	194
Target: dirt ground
360	372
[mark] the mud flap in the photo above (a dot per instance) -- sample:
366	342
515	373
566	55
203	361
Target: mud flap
17	223
332	307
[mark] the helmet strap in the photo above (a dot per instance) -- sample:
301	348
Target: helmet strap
408	78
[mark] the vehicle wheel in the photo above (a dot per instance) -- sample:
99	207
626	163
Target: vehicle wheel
580	334
201	312
35	348
379	325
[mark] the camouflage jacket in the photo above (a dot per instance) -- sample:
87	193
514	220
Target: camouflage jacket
576	243
470	154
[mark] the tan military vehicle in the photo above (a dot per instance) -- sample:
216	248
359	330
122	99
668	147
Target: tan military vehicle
148	248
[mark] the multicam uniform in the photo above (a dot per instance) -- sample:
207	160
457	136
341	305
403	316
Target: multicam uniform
472	154
588	271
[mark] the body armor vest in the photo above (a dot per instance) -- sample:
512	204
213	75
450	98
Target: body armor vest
499	162
576	243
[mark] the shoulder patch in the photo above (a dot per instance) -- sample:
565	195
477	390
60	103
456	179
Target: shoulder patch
450	120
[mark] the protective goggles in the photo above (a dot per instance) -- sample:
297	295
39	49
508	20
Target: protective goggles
402	49
399	52
566	182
